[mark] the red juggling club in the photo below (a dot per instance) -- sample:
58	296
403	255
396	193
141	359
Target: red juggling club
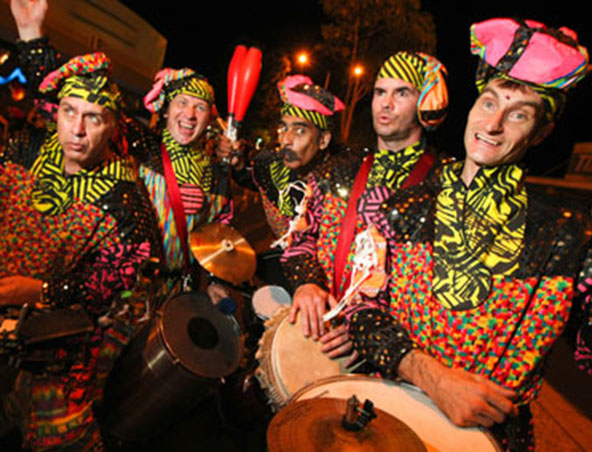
242	88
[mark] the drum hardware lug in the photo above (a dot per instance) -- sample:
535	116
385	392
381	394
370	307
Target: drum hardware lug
186	282
356	418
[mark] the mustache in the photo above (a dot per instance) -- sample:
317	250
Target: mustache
289	155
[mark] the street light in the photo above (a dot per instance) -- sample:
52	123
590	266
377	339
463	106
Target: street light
302	58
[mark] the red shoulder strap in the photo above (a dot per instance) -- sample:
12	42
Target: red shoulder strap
348	225
176	204
346	235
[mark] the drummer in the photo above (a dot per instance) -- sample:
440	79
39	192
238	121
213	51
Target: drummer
410	97
184	103
75	226
304	136
483	269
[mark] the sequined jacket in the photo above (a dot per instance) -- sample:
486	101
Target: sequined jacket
86	247
310	258
505	338
268	175
202	204
86	254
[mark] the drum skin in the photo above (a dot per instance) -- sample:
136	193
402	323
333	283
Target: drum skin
174	363
289	361
408	404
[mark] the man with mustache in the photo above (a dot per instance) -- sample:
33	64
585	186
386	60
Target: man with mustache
410	96
484	269
304	136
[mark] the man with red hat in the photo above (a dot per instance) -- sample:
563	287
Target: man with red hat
483	270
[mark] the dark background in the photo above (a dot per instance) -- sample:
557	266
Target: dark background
205	41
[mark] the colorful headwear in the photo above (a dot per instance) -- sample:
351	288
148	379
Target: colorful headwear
168	83
303	99
86	77
428	75
547	60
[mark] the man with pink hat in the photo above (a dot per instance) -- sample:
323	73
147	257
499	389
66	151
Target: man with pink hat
280	176
484	273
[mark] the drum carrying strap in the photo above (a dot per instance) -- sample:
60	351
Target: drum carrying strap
177	206
346	235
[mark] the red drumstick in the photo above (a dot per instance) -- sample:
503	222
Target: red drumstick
248	79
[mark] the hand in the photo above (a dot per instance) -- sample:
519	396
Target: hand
226	149
216	292
467	399
313	302
18	290
336	344
29	16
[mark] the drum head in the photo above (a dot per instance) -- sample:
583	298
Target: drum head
199	337
268	299
297	360
408	404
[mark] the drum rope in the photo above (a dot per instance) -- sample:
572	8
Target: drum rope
298	186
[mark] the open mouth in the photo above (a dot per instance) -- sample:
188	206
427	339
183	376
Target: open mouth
189	127
487	140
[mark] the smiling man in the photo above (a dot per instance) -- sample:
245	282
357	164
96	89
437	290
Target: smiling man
177	167
410	96
483	270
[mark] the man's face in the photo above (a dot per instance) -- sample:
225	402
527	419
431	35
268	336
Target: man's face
394	111
84	130
300	140
187	118
503	124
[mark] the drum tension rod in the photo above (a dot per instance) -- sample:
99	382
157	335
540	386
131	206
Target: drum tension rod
356	418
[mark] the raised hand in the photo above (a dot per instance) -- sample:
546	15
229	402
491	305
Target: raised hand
29	16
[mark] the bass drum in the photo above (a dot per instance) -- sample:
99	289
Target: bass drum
408	404
174	363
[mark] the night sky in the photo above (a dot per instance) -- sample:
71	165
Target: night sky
205	42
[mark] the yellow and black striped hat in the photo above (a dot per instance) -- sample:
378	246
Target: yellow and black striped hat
428	75
303	99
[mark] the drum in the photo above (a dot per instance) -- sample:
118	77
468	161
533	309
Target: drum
289	361
406	403
173	364
268	299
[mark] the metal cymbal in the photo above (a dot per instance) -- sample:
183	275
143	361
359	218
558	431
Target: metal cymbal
223	252
315	425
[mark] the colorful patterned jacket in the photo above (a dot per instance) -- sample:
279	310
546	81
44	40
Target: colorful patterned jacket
507	335
204	186
274	181
310	258
84	236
